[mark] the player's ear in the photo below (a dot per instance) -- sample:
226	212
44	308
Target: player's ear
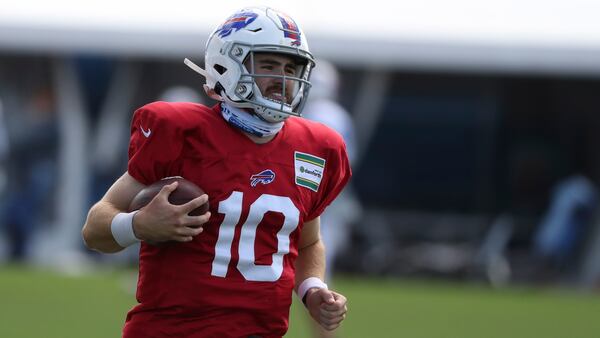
212	93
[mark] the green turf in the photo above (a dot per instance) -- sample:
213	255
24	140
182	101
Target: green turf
420	309
45	304
36	303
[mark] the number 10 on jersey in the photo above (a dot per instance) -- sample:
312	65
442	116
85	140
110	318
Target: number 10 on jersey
232	209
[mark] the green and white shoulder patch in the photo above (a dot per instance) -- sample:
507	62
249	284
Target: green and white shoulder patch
309	170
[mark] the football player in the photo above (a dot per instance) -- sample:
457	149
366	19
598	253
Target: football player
268	175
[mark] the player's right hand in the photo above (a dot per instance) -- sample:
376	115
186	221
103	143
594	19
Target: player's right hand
161	221
327	307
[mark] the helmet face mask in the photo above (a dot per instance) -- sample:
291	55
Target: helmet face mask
231	58
280	88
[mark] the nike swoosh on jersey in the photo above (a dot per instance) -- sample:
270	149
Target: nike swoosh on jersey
146	132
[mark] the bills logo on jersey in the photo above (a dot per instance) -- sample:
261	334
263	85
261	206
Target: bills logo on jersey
264	177
290	29
236	22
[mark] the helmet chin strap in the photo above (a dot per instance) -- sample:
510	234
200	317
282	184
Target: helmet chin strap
195	67
248	122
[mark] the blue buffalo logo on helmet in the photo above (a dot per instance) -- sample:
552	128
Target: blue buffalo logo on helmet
290	29
236	22
264	177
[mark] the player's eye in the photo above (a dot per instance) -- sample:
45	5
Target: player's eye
290	71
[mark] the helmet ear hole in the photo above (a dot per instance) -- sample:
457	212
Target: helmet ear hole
220	69
219	88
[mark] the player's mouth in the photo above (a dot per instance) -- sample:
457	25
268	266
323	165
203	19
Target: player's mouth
276	94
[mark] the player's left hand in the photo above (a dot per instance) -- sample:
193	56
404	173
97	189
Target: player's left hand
327	307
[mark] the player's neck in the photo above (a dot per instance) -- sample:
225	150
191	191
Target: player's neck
259	139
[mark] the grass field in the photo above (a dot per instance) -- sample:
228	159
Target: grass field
36	303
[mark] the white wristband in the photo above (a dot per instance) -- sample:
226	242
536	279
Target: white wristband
309	283
121	228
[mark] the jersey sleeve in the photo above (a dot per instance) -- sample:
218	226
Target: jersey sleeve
155	145
337	173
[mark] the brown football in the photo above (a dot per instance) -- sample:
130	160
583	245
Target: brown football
185	192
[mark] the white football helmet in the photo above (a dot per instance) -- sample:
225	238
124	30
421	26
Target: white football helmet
249	31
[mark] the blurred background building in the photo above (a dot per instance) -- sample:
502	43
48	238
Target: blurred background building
477	126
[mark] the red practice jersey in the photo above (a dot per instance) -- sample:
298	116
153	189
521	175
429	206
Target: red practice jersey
236	278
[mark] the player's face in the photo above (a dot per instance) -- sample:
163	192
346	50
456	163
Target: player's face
274	64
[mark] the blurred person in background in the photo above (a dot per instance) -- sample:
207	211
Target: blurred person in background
4	152
567	222
269	176
32	174
543	235
322	106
